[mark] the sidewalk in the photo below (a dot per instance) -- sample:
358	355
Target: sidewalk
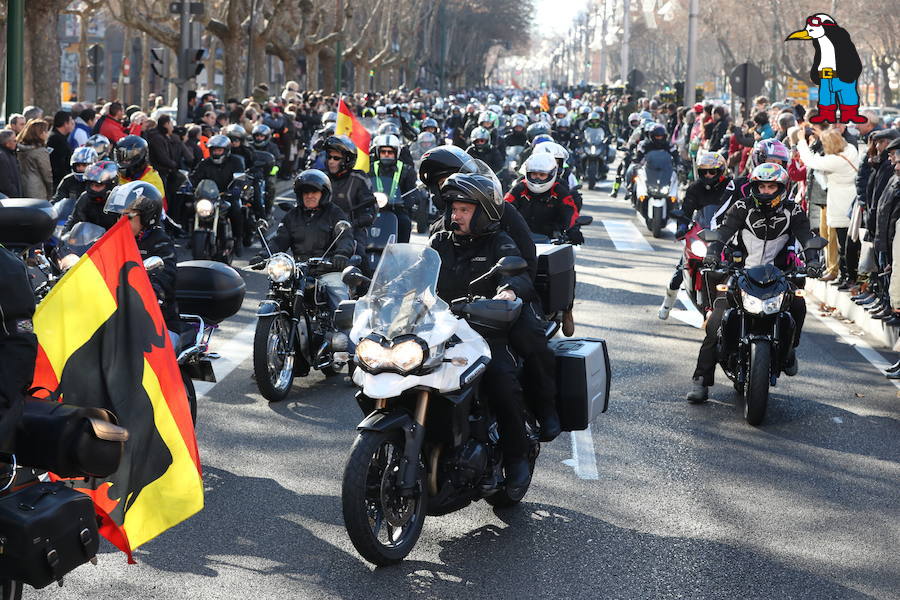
885	337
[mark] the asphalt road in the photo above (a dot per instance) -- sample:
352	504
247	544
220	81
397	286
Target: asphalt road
688	501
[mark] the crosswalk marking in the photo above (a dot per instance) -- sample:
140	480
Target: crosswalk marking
625	236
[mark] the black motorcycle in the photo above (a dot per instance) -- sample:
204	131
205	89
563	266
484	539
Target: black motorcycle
295	331
757	330
262	175
596	155
211	234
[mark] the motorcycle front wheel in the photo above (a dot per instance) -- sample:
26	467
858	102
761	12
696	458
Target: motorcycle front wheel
383	525
756	397
273	358
656	222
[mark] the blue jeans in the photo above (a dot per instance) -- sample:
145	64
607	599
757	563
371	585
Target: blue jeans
830	90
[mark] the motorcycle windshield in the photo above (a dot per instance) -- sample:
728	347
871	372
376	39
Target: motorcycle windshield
80	238
594	135
402	297
658	168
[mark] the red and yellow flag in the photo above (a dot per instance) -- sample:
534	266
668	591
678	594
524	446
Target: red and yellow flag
103	343
349	126
545	103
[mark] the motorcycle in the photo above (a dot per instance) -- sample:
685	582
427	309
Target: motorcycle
554	280
262	174
211	234
429	444
383	230
295	329
693	281
26	226
757	331
596	154
656	190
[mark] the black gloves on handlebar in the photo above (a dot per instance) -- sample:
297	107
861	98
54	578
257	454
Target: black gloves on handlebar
340	262
575	236
814	269
710	261
258	262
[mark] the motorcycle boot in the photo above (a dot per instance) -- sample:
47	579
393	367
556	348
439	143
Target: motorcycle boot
668	303
615	187
699	393
790	363
518	477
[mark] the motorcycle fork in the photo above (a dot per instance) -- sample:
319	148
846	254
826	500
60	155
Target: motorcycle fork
412	448
743	352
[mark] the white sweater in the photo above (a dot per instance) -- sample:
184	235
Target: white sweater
841	177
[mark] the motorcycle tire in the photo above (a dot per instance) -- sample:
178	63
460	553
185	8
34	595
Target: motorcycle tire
756	396
273	359
223	253
191	394
200	246
656	223
10	590
367	483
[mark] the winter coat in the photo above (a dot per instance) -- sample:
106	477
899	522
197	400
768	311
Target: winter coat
37	175
840	173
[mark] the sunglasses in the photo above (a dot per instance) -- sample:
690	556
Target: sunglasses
130	215
335	158
817	22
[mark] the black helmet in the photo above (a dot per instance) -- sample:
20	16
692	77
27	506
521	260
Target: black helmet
483	191
313	179
131	156
261	135
105	172
235	133
139	196
441	162
658	133
219	141
536	129
344	145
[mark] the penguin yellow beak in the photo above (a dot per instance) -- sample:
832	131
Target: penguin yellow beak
799	35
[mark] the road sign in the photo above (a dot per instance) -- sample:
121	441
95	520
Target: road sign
195	8
635	78
746	80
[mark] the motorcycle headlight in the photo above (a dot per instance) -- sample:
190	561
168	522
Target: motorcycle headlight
204	208
405	356
280	268
767	306
698	248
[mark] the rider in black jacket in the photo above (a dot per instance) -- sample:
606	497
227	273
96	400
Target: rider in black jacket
351	188
470	245
100	178
307	231
221	167
763	226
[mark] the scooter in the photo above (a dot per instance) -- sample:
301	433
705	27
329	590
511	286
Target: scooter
656	190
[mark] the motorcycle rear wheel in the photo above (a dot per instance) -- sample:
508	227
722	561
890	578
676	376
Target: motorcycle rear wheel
273	361
756	397
383	526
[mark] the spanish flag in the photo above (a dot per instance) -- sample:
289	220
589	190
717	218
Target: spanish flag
545	103
349	126
103	343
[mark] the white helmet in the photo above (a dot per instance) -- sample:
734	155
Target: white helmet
544	163
560	111
552	148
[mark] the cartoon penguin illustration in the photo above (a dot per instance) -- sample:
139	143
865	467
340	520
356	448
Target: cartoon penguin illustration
835	69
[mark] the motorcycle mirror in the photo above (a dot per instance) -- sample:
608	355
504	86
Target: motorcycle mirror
342	227
152	263
285	204
816	243
584	220
708	235
511	265
381	199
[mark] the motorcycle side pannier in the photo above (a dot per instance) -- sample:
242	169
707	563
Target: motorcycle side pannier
26	221
583	378
555	279
210	289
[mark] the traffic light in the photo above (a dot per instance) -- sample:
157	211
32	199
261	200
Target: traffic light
192	65
159	62
95	62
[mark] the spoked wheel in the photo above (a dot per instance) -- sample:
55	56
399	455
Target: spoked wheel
383	525
757	397
273	358
10	590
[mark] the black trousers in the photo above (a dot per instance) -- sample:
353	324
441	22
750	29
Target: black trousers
500	384
527	339
848	272
706	359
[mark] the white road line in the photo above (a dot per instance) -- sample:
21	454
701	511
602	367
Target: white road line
584	458
867	352
690	315
626	236
232	353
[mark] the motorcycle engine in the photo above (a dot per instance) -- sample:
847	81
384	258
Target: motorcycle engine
468	464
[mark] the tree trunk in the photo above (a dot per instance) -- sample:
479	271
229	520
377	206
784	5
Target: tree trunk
887	95
41	23
327	61
260	71
234	54
312	70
